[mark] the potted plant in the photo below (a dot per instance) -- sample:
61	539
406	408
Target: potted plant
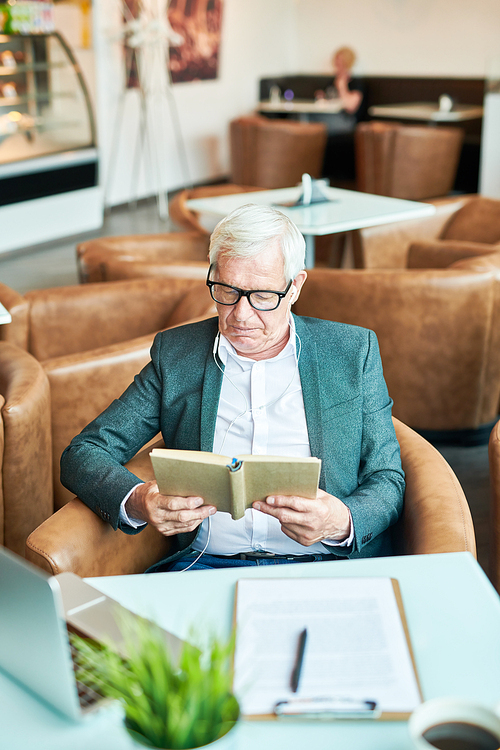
167	703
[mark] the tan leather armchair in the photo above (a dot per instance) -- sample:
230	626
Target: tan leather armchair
275	153
473	230
25	446
67	320
494	461
436	518
122	269
439	337
93	256
462	226
387	245
406	161
188	219
92	339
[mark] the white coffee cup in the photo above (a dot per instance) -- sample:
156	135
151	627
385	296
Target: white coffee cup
443	712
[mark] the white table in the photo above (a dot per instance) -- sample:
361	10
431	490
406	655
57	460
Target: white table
301	107
427	112
345	210
453	617
5	316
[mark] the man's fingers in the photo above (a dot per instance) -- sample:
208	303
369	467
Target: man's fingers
284	515
301	504
183	515
171	502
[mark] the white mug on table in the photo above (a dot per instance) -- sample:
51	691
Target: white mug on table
455	724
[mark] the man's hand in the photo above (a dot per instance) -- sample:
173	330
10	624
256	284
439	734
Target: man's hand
309	521
170	515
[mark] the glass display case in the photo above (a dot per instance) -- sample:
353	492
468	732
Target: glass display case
47	130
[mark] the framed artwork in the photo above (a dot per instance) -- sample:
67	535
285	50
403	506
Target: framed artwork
198	22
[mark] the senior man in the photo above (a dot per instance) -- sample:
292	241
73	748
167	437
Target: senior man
256	379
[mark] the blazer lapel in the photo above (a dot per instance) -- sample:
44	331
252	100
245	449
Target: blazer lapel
212	383
309	379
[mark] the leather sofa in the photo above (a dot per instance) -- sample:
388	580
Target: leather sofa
436	518
494	462
94	256
26	493
439	337
92	339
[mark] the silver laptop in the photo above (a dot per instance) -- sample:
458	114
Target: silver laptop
35	612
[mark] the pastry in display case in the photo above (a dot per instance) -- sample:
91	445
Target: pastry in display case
45	116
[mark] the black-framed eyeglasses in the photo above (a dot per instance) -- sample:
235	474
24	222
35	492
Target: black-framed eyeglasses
264	300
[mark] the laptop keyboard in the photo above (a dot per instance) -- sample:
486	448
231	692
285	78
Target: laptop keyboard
87	696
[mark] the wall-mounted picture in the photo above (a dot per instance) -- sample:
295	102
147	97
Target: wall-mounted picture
199	23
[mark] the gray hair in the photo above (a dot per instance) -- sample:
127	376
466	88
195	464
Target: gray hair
248	230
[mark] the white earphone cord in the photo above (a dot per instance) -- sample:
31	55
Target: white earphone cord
266	406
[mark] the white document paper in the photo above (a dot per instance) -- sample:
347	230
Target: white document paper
356	644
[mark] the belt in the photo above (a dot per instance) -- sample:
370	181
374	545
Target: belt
273	556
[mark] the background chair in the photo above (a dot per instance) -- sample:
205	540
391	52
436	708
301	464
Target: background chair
494	462
406	161
473	230
436	518
187	219
123	268
275	153
387	245
173	247
25	446
439	337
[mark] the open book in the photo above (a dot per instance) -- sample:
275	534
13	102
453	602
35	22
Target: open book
357	648
233	484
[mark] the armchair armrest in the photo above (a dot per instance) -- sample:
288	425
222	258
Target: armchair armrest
15	332
386	246
75	539
494	461
442	253
436	516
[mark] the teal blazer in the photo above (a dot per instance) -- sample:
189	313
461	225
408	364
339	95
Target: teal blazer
348	414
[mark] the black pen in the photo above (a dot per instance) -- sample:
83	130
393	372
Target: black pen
299	660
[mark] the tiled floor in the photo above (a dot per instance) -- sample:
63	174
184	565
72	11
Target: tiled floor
54	265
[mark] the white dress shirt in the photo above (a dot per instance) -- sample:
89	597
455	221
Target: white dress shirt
261	412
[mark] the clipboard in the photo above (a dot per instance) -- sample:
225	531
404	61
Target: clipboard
270	612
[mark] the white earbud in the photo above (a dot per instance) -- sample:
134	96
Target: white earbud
294	295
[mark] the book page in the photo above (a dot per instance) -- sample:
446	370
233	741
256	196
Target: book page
356	644
277	475
193	473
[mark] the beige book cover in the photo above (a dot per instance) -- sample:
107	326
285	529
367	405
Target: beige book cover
233	484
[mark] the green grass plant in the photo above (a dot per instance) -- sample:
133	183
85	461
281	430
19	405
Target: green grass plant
171	704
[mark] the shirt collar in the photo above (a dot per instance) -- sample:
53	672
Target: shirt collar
226	349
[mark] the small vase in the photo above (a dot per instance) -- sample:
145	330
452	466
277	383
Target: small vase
226	742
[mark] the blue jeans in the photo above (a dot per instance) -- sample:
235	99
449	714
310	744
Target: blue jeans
209	562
